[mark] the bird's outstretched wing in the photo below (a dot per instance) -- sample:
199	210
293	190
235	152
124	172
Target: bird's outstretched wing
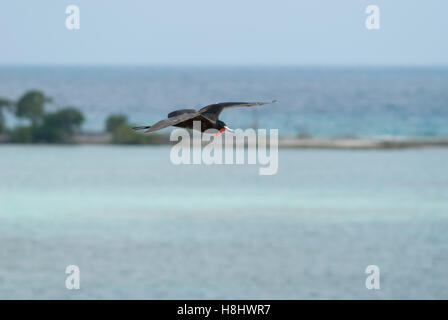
171	121
212	111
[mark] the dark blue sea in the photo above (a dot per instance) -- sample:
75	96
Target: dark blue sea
315	101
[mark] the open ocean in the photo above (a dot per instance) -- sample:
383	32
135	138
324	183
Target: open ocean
139	227
362	102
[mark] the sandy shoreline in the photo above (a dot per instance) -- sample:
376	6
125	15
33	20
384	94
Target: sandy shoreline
323	143
354	143
300	143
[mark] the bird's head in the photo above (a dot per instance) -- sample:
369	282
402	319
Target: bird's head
221	126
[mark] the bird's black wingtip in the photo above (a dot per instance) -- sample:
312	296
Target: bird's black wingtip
265	102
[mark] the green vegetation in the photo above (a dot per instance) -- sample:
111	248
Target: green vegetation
114	121
62	125
4	104
21	135
31	106
52	127
122	132
59	126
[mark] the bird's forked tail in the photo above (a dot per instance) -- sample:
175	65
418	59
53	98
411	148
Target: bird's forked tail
141	128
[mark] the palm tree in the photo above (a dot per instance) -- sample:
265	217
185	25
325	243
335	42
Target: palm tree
31	106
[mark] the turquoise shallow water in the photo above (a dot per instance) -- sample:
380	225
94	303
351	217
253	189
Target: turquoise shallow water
140	227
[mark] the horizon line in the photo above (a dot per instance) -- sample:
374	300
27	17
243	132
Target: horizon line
175	65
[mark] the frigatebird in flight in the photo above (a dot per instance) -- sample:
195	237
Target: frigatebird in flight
208	116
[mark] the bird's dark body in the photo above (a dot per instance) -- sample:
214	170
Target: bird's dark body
208	116
188	124
205	125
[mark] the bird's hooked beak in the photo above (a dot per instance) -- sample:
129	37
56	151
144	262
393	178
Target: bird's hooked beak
224	129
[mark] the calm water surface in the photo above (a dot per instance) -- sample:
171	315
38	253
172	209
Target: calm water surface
319	101
140	227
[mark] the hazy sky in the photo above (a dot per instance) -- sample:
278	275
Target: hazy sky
230	32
